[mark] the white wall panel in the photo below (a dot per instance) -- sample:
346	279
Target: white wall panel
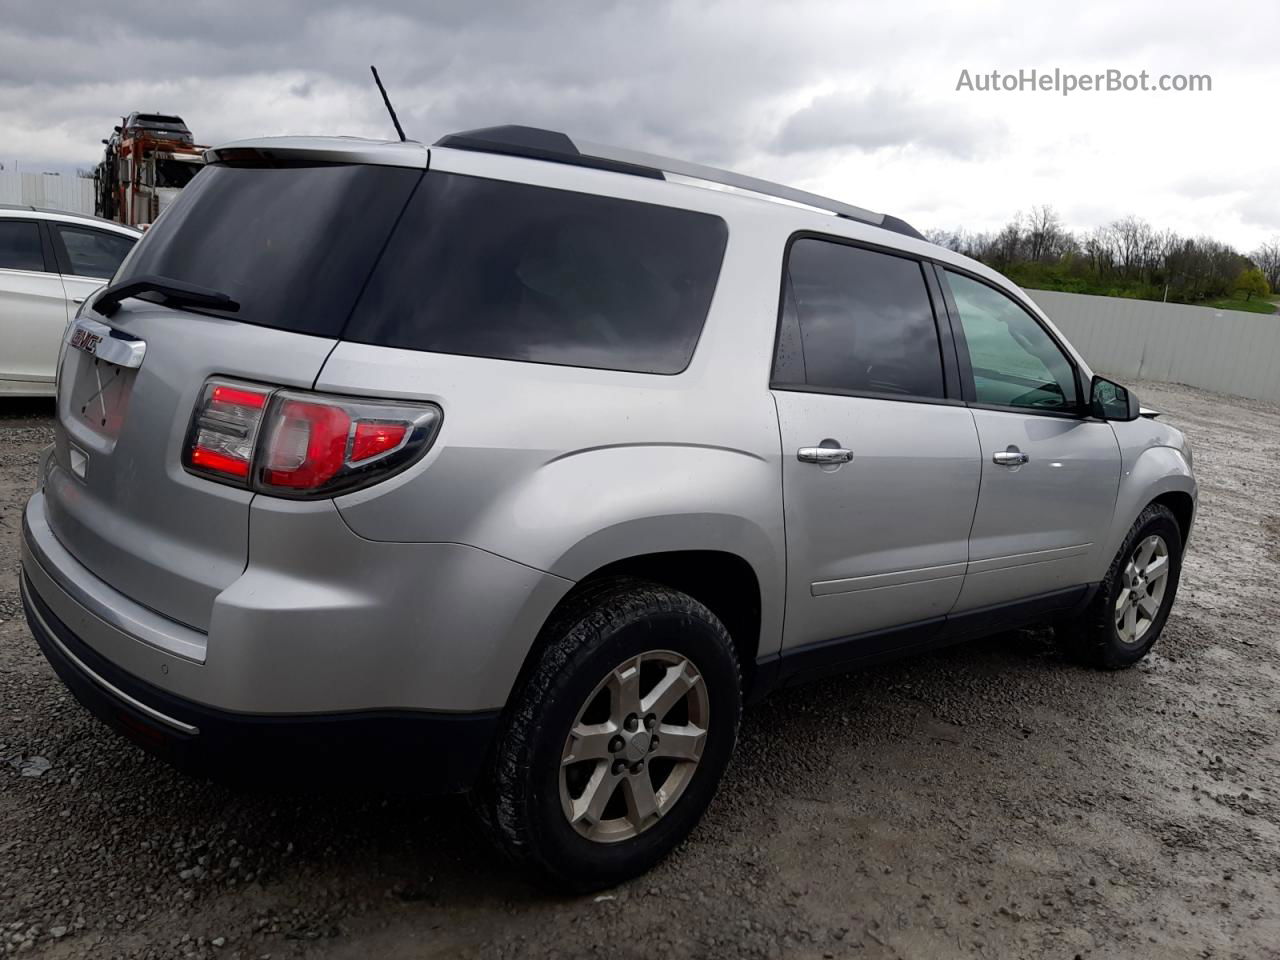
1226	351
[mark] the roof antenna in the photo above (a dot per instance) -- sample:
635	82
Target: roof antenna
387	100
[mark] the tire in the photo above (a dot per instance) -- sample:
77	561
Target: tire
1099	637
582	675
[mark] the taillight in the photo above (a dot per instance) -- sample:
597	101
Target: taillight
307	446
299	444
224	430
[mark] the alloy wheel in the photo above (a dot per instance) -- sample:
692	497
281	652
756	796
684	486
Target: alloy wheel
1142	586
634	746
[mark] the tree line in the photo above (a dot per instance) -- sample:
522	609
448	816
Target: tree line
1125	258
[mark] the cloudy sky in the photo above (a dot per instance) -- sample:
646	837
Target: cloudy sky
855	100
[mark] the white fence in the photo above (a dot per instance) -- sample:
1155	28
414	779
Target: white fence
47	190
1226	351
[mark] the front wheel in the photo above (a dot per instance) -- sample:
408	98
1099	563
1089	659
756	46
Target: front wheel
1129	611
616	741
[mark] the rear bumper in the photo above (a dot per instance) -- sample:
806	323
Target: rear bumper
328	650
321	621
441	752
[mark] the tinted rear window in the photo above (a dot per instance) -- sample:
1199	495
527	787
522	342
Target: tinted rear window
293	245
517	272
20	245
857	320
93	253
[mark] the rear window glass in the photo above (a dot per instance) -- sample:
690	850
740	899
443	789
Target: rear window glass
517	272
93	253
293	245
20	245
857	320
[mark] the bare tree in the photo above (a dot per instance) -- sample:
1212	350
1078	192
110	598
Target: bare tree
1100	248
1007	243
1267	257
950	239
1044	233
1127	255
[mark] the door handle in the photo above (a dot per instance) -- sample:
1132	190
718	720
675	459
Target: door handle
1012	457
824	455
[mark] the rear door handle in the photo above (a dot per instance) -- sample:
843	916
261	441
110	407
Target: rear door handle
1010	458
824	455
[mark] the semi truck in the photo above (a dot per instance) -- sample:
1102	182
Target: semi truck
148	159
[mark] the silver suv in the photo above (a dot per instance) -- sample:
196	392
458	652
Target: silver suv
529	461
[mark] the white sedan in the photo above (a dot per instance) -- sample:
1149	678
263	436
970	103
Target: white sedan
49	262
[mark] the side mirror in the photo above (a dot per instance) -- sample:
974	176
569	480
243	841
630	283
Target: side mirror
1110	401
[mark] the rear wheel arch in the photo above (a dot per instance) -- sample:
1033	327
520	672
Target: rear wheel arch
723	582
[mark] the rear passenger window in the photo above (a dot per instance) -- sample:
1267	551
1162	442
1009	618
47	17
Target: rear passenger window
489	268
857	320
93	253
20	245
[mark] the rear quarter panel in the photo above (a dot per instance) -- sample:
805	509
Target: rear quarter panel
568	469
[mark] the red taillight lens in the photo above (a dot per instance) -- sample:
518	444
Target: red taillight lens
251	399
374	439
215	462
293	443
224	430
307	446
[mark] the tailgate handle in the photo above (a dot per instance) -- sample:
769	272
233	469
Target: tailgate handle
99	340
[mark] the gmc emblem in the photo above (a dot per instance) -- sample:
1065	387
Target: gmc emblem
84	340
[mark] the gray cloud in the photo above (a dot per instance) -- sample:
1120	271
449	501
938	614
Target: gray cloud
882	118
703	81
809	91
1213	183
1261	209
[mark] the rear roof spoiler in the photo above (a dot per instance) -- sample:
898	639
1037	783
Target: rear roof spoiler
539	144
268	150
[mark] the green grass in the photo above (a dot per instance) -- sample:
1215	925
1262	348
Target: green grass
1070	278
1251	306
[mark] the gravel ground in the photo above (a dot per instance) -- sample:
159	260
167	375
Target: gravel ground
990	800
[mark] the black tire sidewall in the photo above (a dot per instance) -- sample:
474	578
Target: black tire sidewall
587	864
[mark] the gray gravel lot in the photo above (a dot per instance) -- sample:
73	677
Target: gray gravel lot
990	800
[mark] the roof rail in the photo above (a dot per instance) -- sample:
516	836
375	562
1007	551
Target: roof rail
557	147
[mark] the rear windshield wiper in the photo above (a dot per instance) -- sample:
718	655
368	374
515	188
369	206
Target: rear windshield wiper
175	292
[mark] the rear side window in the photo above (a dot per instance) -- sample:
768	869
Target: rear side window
856	320
20	245
490	268
93	253
292	244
